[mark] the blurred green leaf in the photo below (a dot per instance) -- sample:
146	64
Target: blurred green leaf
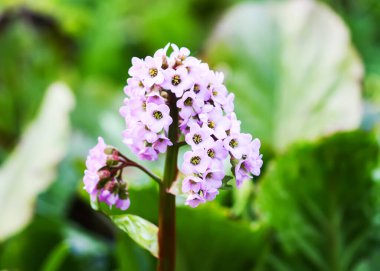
318	199
28	249
32	165
56	257
28	52
209	240
292	67
131	256
140	230
56	243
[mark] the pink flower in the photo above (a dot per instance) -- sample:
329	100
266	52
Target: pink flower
99	180
190	105
96	159
179	54
193	200
216	150
218	90
162	143
177	81
123	204
249	164
198	138
206	119
211	194
137	65
212	179
157	117
191	183
134	87
238	144
152	72
212	118
228	107
195	161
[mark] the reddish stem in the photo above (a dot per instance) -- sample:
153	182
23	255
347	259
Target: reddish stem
166	223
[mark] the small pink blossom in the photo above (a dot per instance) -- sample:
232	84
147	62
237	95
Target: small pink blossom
195	161
177	81
198	137
238	144
99	181
157	117
191	183
193	200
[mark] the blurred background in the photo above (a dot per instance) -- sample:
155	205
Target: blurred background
306	75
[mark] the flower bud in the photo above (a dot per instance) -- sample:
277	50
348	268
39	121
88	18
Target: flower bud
104	174
113	158
109	150
111	186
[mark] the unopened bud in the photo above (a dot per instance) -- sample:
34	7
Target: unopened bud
111	186
123	193
164	94
115	155
104	174
113	158
111	162
109	150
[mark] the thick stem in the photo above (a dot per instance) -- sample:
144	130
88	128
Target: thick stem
166	223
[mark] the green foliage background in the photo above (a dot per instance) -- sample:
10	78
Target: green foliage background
316	205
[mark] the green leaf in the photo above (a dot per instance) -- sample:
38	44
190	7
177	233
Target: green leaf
208	239
292	67
140	230
225	184
56	257
319	200
32	166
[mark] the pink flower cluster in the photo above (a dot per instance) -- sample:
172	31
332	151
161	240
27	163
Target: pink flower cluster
102	178
206	120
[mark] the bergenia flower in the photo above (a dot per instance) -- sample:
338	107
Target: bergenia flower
157	117
207	123
177	81
100	180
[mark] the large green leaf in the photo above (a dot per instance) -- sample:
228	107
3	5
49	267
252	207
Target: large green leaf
319	201
32	165
208	239
140	230
292	67
53	244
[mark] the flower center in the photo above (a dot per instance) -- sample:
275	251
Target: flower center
176	80
211	124
195	160
233	143
197	138
188	102
144	106
211	153
158	115
197	88
214	93
192	181
153	72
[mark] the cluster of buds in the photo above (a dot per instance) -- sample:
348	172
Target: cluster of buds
103	176
206	120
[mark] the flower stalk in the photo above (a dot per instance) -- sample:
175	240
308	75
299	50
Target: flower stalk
166	221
